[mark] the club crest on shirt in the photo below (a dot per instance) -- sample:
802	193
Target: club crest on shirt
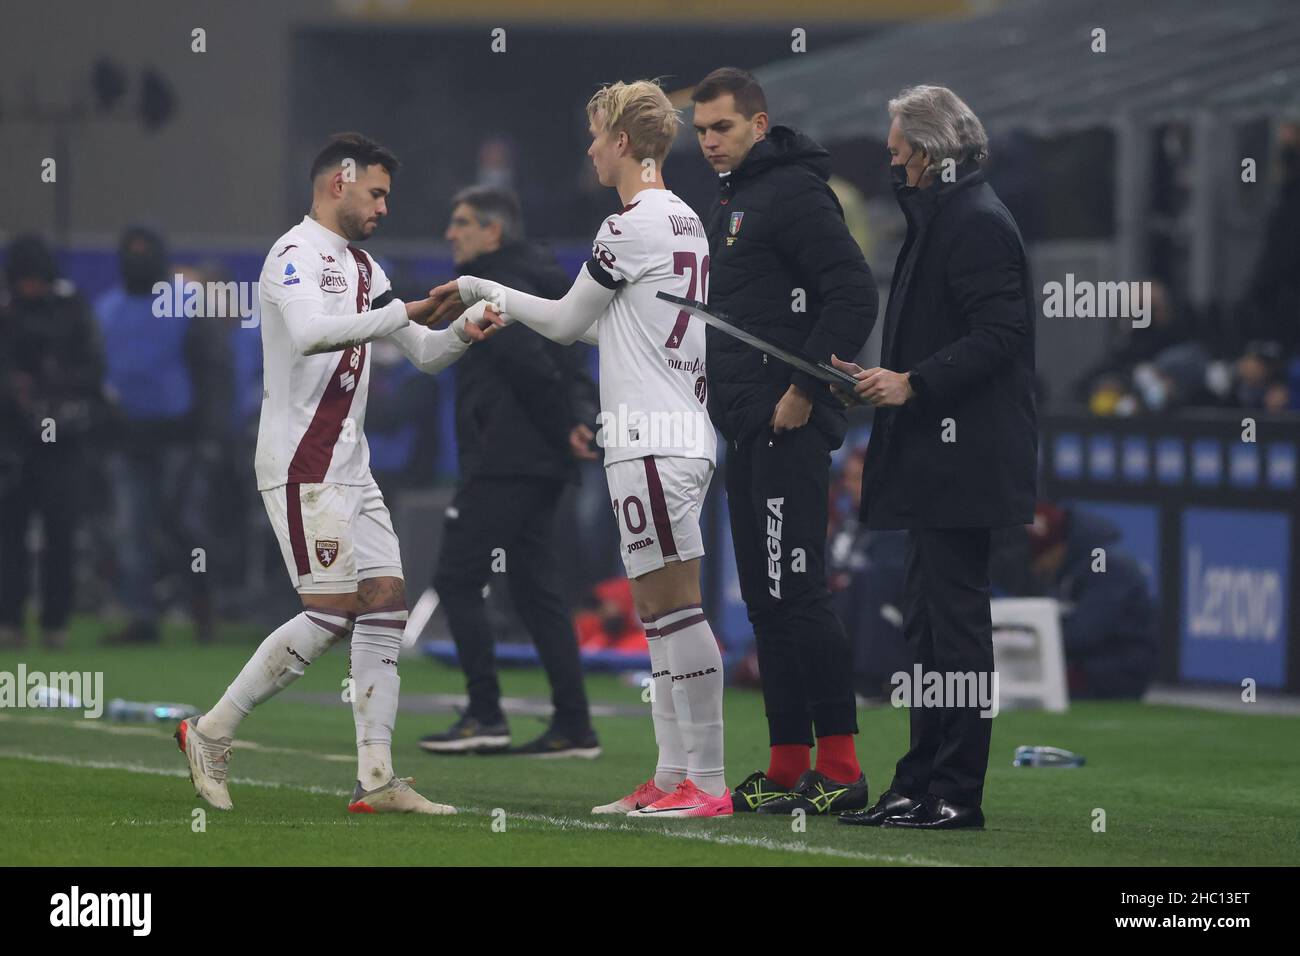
326	552
333	280
734	229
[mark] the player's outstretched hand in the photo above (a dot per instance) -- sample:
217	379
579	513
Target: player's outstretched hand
482	322
421	311
447	302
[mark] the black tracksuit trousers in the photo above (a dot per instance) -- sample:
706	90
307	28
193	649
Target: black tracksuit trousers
777	497
516	515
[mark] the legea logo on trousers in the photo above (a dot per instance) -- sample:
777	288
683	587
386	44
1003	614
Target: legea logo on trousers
774	522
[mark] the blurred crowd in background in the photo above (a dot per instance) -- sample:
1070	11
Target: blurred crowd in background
1242	354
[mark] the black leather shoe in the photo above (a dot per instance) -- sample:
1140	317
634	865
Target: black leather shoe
936	813
890	804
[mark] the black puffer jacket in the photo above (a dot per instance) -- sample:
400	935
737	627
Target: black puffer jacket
776	227
518	395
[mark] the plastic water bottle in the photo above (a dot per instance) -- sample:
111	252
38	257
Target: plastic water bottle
140	711
1046	757
47	696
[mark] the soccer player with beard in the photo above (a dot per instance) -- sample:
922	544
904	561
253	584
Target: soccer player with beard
322	301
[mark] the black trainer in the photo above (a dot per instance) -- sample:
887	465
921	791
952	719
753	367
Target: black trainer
469	735
754	791
817	794
558	743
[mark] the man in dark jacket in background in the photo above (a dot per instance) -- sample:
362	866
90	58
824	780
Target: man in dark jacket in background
953	450
51	397
784	266
522	410
1108	615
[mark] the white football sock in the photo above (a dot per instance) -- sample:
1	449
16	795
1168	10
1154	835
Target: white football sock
671	769
278	661
696	665
376	646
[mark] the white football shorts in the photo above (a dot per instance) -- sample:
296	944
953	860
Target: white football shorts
657	504
333	535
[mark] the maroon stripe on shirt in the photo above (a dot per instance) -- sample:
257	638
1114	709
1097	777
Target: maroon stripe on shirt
293	506
678	625
311	459
659	509
363	278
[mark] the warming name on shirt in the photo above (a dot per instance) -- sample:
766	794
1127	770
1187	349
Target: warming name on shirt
687	226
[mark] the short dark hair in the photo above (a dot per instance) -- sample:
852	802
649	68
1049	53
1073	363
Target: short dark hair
739	83
494	204
365	151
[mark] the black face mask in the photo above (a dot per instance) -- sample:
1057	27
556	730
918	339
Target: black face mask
898	172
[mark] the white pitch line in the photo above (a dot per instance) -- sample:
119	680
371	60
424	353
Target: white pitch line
147	731
719	839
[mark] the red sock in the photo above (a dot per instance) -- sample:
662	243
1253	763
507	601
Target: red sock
788	762
837	758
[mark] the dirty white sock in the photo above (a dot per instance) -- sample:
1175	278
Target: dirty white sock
278	661
376	647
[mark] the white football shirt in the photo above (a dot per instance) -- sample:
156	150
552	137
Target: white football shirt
652	381
314	406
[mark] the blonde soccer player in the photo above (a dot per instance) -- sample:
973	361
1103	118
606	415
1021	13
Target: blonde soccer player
658	442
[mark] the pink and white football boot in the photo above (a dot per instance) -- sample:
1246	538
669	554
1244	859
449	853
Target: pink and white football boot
642	796
687	800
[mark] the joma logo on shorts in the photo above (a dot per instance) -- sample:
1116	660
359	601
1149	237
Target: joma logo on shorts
638	545
774	520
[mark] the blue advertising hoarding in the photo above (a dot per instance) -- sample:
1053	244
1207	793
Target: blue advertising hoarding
1235	598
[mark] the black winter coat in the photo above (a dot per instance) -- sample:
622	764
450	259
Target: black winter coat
775	227
518	395
960	317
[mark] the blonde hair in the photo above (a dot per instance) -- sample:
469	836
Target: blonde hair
643	111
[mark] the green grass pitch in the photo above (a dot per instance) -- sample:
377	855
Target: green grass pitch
1178	786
